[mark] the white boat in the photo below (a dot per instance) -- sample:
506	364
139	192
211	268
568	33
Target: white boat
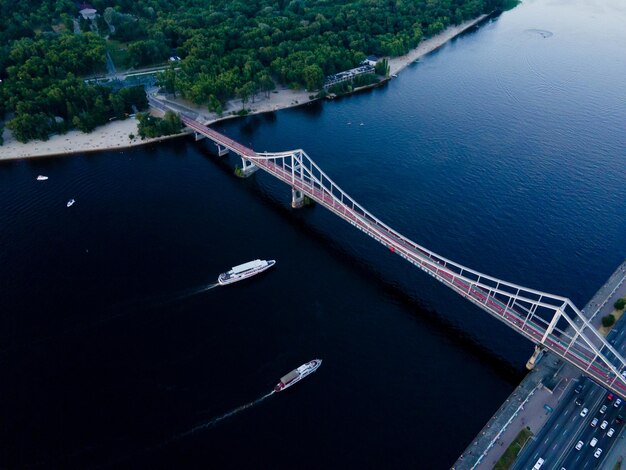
42	178
297	375
243	271
70	202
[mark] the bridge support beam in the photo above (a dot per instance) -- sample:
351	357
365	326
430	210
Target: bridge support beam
297	198
530	365
247	168
551	326
198	136
221	151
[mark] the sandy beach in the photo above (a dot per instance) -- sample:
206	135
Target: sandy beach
115	135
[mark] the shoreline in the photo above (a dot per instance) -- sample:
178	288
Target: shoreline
115	135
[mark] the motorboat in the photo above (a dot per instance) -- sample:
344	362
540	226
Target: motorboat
244	271
297	375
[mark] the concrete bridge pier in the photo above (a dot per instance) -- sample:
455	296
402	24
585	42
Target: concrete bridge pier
297	198
530	365
247	168
221	151
198	136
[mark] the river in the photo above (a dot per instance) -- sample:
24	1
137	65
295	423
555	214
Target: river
504	150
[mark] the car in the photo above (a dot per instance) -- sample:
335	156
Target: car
617	403
584	412
597	453
579	445
604	424
593	442
603	409
619	419
579	388
609	396
610	432
594	422
579	401
538	464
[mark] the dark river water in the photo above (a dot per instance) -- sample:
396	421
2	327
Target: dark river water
505	150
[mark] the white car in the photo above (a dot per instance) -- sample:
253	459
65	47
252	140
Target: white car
610	432
597	453
603	409
579	445
593	442
594	422
584	412
604	424
617	403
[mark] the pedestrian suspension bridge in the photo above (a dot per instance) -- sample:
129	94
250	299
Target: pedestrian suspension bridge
549	321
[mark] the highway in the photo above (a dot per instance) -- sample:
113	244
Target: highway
556	442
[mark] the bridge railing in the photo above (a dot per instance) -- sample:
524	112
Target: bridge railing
526	308
546	319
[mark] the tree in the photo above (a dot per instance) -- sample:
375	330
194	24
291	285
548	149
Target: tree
620	304
215	106
27	126
267	84
608	321
244	93
313	77
382	67
152	126
167	80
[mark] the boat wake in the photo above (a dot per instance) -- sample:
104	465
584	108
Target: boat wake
194	430
196	291
116	312
216	420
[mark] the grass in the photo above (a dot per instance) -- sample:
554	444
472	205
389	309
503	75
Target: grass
511	453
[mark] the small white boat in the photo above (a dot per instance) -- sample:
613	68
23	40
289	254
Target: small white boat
243	271
393	75
42	178
70	202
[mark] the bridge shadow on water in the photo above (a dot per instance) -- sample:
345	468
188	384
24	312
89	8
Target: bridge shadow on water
437	320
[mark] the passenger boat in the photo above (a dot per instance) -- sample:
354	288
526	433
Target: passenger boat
70	202
42	178
297	375
243	271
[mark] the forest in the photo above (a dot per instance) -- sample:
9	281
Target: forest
226	48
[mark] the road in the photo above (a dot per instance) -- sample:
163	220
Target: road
557	440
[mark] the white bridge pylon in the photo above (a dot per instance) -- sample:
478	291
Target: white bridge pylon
550	321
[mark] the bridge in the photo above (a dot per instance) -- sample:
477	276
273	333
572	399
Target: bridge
551	322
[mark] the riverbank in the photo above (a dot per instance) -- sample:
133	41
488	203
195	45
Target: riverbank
116	135
525	406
